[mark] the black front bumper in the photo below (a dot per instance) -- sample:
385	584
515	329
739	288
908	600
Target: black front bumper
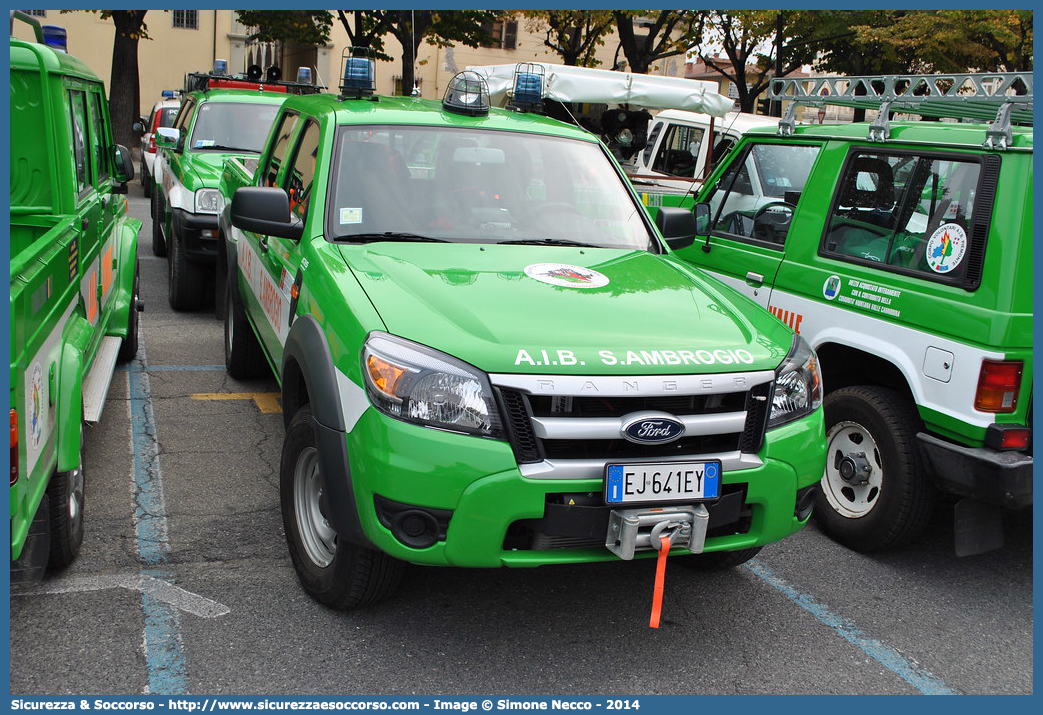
189	228
988	475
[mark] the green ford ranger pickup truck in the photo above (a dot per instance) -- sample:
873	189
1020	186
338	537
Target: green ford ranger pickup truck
489	355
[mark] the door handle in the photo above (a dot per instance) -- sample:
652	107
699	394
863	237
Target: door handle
754	279
84	224
263	243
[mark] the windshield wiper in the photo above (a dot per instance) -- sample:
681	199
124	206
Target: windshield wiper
548	242
388	236
222	147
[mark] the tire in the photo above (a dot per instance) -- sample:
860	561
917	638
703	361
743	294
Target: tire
334	572
187	279
719	560
875	494
159	245
65	496
129	346
146	182
243	355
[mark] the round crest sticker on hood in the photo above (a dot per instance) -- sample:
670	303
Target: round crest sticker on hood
565	275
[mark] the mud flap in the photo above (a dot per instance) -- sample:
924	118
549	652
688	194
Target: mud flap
977	527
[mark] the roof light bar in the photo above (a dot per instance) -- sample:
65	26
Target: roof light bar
467	93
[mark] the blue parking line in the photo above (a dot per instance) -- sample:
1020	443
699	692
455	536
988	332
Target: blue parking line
164	659
883	654
174	368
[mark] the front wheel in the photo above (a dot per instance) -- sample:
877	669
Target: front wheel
146	181
159	244
334	572
66	496
129	346
187	279
875	494
243	355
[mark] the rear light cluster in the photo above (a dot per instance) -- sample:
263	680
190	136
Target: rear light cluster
14	447
998	386
151	149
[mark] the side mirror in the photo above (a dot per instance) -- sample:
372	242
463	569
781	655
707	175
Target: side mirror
677	226
265	210
167	138
123	163
139	126
702	219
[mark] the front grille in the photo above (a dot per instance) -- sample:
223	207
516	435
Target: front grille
548	421
622	449
548	406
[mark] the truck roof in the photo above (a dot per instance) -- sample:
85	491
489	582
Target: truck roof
33	56
394	110
970	135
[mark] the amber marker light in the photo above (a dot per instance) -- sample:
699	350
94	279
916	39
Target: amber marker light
384	375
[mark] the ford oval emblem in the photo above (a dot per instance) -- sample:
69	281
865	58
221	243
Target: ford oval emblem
651	428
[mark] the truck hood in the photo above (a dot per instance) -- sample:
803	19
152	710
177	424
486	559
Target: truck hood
206	168
565	310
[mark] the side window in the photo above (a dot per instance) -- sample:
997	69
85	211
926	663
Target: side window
80	148
756	196
905	212
299	181
286	125
184	119
679	152
99	141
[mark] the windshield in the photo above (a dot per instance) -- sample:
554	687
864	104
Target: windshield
484	186
231	126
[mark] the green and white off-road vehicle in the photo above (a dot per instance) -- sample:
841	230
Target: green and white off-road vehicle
489	356
74	290
902	251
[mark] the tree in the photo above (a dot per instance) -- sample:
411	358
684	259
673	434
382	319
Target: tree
440	28
669	33
573	34
744	35
958	40
124	88
308	27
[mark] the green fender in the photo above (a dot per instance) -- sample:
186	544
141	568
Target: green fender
71	369
127	261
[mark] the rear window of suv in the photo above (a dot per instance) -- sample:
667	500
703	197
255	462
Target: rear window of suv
920	214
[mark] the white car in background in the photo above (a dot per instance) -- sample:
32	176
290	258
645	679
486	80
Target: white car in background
162	115
675	154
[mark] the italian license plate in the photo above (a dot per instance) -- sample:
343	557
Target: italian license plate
667	482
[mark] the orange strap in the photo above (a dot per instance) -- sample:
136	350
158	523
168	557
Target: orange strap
660	579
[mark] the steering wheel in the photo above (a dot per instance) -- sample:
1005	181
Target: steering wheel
771	225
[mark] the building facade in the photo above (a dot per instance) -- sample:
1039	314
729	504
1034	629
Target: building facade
183	41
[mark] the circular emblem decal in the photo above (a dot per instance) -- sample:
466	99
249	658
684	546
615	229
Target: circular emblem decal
562	274
651	428
831	288
35	406
946	247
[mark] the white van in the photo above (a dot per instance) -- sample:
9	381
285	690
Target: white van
675	154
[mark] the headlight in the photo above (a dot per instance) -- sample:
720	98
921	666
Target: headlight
208	201
414	383
798	385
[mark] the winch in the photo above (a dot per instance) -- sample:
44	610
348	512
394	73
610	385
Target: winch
632	530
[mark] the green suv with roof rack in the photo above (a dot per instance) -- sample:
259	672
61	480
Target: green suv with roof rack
222	117
902	251
489	356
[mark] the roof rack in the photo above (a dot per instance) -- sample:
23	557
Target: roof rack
999	97
203	81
